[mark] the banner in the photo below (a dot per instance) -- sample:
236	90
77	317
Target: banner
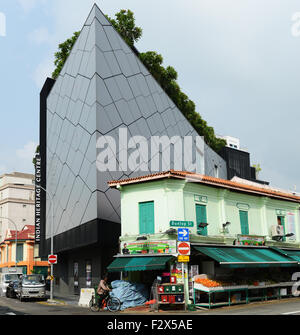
250	240
37	200
148	247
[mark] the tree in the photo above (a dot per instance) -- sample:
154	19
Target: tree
166	77
257	169
125	26
37	151
63	53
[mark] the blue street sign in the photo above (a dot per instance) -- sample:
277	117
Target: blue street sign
183	234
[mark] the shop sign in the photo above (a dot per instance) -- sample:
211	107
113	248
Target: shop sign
183	259
37	200
148	247
187	224
250	240
184	248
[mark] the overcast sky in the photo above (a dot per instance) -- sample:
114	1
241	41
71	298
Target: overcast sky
237	60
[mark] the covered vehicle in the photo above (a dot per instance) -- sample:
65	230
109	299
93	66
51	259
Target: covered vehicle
11	289
5	279
31	286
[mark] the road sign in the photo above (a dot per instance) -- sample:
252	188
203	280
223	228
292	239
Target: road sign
183	259
52	259
183	234
182	224
184	248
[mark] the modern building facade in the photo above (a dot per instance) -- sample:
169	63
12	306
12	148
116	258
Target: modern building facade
16	201
103	89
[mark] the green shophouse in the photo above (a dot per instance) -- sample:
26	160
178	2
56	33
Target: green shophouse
232	225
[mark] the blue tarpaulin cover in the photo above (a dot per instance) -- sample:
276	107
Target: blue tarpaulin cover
130	294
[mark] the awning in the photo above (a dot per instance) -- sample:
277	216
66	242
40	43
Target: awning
241	257
293	254
138	263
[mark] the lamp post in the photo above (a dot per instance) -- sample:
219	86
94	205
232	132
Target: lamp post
10	220
52	225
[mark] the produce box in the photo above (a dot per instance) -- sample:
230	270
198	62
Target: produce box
164	298
179	288
167	289
174	288
160	289
172	299
173	280
179	298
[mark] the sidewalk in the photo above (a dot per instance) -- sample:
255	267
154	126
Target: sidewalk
65	299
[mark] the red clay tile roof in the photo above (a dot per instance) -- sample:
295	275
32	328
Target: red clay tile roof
207	180
27	233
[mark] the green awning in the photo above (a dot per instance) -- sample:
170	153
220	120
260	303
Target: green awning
138	263
293	254
238	257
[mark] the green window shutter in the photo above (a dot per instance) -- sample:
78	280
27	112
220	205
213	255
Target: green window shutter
146	217
19	252
244	223
201	217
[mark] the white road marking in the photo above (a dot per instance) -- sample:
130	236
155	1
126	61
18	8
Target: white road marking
11	313
296	312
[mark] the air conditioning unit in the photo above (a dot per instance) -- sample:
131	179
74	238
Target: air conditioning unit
277	230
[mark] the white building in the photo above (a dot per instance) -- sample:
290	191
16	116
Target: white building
16	201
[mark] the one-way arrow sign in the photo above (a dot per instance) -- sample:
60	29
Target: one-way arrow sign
183	234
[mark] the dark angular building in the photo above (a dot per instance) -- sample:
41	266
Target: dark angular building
102	87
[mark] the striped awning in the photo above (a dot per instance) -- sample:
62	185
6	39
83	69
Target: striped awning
122	264
241	257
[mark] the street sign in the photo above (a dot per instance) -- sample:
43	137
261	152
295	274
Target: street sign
184	248
183	234
182	224
183	259
52	259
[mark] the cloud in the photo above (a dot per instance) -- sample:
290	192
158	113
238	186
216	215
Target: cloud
43	70
39	36
28	151
27	5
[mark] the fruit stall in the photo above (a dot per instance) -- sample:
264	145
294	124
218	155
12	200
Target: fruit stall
211	293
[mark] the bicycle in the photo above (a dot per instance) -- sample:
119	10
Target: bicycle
113	304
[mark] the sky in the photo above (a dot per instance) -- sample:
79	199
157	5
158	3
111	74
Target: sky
237	60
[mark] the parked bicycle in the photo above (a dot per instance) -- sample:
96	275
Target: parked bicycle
113	304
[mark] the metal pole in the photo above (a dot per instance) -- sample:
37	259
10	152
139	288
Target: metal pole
52	227
16	239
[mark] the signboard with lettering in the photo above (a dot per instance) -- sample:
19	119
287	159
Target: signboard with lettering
183	259
187	224
250	240
148	247
37	200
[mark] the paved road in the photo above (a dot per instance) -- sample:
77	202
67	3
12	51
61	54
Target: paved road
274	307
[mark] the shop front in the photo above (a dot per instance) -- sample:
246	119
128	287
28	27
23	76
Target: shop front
241	274
155	265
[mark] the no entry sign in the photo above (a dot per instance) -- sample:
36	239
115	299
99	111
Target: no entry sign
52	259
184	248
